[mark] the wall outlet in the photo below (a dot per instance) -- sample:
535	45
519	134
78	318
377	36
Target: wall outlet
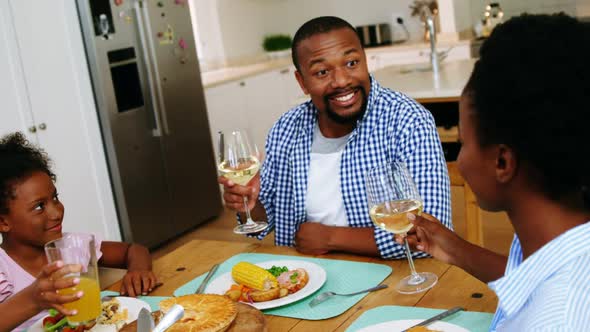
399	26
394	18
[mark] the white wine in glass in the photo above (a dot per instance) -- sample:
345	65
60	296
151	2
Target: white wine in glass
392	216
243	172
392	194
239	161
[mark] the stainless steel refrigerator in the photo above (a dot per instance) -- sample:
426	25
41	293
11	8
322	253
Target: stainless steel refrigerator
150	101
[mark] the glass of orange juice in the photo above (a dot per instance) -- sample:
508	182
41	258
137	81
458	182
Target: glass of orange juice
80	249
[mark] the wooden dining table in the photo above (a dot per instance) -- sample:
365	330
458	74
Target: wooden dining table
455	287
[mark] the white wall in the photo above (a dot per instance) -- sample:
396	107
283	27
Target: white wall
232	31
583	8
242	24
205	20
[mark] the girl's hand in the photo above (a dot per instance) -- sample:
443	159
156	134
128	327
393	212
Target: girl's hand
137	283
430	236
43	291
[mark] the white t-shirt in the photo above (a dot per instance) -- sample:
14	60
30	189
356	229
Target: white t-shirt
323	202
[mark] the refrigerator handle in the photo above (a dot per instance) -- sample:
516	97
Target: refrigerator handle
153	78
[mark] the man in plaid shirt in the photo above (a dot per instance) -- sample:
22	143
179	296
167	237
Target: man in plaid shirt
311	188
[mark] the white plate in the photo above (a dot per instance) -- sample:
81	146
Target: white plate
317	277
400	325
133	306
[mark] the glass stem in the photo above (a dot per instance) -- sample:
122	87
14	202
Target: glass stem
249	220
415	274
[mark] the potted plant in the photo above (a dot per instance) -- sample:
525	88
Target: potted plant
277	46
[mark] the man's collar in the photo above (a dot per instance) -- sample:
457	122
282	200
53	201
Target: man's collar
515	288
373	93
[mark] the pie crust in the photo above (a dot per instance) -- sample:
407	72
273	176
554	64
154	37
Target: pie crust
202	312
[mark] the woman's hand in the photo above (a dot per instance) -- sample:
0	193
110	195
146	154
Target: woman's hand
138	282
43	291
430	236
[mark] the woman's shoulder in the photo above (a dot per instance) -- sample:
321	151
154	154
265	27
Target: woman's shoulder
566	291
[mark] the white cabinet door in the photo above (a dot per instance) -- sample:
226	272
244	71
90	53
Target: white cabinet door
266	102
254	103
16	110
57	86
293	93
225	109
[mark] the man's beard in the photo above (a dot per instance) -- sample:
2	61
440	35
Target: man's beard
352	118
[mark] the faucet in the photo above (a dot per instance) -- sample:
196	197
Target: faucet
434	59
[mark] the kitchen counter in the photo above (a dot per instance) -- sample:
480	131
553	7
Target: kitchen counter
220	76
417	83
414	45
223	75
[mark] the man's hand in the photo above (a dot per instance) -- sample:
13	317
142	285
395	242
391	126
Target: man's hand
137	283
312	238
430	236
233	194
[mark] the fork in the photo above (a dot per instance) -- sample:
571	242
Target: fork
326	295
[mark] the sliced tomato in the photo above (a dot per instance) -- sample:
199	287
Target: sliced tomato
51	320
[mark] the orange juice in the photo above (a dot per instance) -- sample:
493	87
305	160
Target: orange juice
88	305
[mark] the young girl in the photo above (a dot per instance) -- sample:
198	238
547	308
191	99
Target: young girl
30	216
524	120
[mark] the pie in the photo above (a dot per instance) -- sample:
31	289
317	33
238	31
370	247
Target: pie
248	319
202	312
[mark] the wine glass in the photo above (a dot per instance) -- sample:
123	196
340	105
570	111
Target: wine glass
239	161
392	194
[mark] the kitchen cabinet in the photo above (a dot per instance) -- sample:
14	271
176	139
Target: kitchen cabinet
254	103
46	94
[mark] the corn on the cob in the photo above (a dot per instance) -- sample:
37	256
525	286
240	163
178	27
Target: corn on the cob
253	276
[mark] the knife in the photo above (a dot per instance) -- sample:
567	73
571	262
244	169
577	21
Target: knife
172	316
437	317
206	280
145	322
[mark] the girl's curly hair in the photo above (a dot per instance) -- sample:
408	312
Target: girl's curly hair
18	160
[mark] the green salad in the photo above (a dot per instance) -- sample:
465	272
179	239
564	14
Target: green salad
56	322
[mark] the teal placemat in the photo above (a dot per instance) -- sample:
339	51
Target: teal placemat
341	277
471	320
153	301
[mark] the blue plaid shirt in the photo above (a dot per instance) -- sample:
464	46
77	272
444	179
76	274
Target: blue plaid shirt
394	127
